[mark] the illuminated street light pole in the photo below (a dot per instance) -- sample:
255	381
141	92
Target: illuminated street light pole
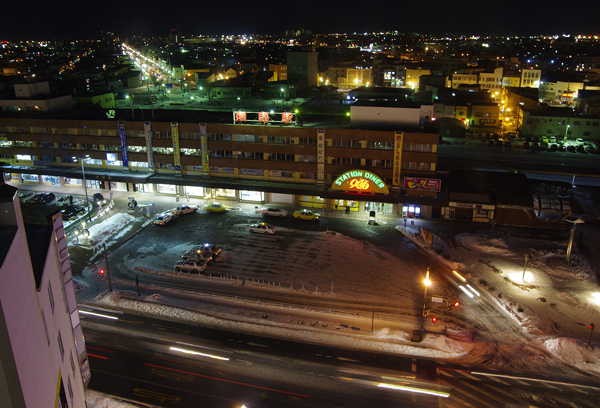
427	283
87	207
525	267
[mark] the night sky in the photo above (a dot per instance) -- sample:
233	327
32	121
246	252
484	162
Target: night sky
36	20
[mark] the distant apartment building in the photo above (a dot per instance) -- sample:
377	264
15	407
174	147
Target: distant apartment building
561	124
35	97
412	77
531	78
303	67
491	81
455	80
559	91
43	360
279	71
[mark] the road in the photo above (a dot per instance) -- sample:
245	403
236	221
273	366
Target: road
132	358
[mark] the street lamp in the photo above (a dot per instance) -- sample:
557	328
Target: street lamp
87	207
427	283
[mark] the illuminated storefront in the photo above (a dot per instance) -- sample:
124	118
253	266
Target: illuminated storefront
167	188
114	185
411	211
246	195
194	191
223	193
312	201
361	182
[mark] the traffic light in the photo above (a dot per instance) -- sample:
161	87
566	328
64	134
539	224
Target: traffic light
101	272
433	319
425	313
456	304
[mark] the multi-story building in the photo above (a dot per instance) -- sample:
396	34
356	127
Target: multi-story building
253	160
560	123
531	78
492	81
279	71
43	360
303	67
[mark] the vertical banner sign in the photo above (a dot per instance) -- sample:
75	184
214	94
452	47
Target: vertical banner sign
204	147
176	152
148	134
320	156
123	145
397	159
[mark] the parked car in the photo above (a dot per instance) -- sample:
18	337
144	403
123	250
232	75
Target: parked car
163	218
43	198
64	201
580	141
25	195
184	209
200	255
216	207
72	211
214	250
274	212
262	228
306	215
191	266
99	199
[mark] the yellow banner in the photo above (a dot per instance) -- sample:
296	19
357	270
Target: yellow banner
176	152
397	159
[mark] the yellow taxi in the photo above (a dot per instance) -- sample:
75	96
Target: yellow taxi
306	215
216	207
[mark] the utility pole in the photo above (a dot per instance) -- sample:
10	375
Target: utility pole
107	270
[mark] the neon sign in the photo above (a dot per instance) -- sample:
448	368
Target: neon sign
360	181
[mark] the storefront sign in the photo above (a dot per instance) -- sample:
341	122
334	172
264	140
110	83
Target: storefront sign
39	163
176	152
204	147
320	156
397	159
148	134
422	184
360	181
123	145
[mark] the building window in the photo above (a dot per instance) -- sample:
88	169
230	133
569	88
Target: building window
70	388
308	141
51	297
225	137
577	123
305	158
280	156
586	133
221	153
61	347
277	139
72	363
345	143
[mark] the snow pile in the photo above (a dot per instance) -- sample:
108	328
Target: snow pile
432	346
97	400
549	310
114	228
575	352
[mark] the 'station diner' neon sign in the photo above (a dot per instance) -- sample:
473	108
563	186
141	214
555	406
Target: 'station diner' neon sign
360	181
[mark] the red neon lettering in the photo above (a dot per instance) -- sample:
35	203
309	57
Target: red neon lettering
359	184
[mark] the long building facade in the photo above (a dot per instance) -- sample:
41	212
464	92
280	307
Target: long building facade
268	159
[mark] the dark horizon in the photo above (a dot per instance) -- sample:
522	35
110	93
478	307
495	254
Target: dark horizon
44	21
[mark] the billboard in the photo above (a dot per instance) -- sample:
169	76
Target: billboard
422	184
148	134
123	145
397	159
176	152
320	156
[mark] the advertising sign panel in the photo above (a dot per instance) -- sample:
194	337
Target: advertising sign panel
123	145
176	152
148	135
422	184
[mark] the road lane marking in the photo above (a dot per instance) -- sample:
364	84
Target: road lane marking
473	397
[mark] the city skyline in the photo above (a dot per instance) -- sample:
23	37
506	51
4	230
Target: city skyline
47	22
